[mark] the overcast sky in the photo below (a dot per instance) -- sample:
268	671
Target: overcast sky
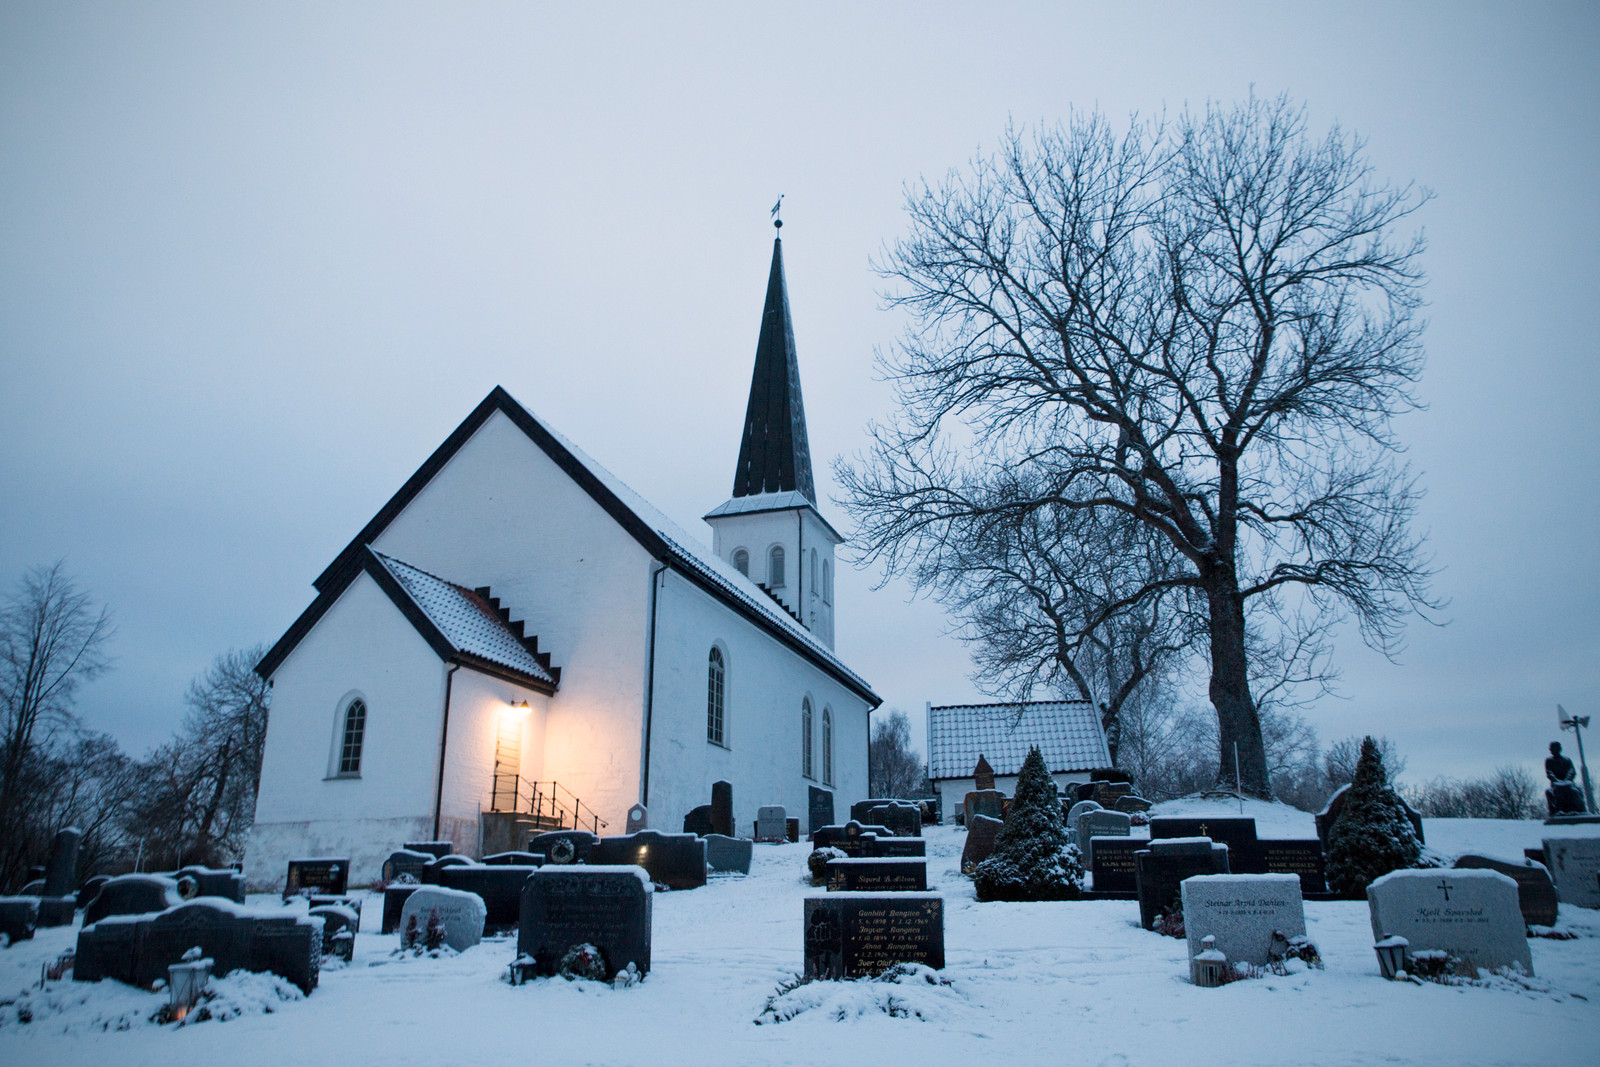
256	264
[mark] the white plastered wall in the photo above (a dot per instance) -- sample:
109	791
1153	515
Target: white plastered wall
478	702
953	791
795	530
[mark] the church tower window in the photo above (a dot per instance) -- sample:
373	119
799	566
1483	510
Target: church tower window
355	729
741	560
716	690
806	767
827	582
775	567
827	746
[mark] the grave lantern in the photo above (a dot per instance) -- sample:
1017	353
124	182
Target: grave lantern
1209	965
185	981
1392	956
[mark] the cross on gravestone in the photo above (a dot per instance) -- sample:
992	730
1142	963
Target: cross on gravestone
1446	887
1481	926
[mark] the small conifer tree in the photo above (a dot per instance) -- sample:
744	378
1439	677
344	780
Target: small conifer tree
1372	835
1032	859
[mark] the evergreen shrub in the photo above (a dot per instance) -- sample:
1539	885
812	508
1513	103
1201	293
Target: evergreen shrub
1032	859
1372	835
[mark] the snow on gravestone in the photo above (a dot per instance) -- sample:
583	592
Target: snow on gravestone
1573	864
461	913
771	823
1473	915
1242	911
608	906
1092	824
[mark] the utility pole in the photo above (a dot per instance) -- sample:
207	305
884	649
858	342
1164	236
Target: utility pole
1576	723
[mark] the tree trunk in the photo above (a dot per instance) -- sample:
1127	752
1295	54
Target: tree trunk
1237	723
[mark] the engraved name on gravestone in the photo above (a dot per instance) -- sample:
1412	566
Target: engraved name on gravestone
1112	868
1471	914
862	935
1298	857
1092	824
819	809
605	906
877	874
1242	911
461	914
1536	894
328	876
771	820
1106	793
1573	863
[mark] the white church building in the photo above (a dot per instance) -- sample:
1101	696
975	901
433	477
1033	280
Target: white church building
518	631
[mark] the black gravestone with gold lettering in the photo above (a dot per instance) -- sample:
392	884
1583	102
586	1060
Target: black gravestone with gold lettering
1303	858
1112	864
317	876
851	935
877	874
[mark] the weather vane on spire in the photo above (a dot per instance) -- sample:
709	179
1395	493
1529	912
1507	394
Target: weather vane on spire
777	220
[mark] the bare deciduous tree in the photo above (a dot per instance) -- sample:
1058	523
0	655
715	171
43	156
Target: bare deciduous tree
893	769
1204	329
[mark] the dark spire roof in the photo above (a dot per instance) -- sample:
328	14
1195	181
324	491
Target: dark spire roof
775	456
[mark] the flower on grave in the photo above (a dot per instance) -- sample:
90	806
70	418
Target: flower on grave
1032	859
817	862
582	961
433	936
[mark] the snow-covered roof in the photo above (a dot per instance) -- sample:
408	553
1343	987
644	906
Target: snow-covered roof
465	619
1068	733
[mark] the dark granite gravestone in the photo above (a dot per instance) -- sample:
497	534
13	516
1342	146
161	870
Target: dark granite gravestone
336	919
1288	856
982	775
608	907
139	951
981	834
90	889
317	876
988	802
698	821
436	849
19	917
859	810
791	828
903	818
132	894
677	861
850	935
500	886
61	875
722	809
1536	893
1112	865
1106	793
638	819
561	847
877	874
1161	869
1534	854
1239	834
430	873
1129	804
1335	805
730	855
514	859
394	902
224	882
406	862
913	847
1100	822
819	809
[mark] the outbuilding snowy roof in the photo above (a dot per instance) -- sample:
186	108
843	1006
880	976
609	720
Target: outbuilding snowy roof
1067	732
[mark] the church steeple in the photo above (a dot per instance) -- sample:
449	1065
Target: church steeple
774	456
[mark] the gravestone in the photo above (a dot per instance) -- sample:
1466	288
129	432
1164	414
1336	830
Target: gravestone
876	874
34	888
722	809
500	886
1159	871
224	882
19	917
982	775
859	810
461	914
61	875
698	821
514	859
902	819
336	918
1471	914
394	901
730	855
1325	818
90	889
677	861
1242	911
605	906
772	823
851	935
1239	834
638	819
436	849
139	951
1071	818
562	847
791	827
1536	893
1298	857
819	808
988	802
1536	855
1572	863
1131	804
132	894
981	834
1112	864
913	847
309	876
406	862
1102	823
1106	793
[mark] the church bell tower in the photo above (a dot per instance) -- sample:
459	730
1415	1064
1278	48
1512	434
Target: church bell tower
770	528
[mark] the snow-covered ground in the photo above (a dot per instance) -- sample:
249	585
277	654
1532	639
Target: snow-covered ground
1070	983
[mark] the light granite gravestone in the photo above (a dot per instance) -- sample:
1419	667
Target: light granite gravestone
1573	863
1092	824
462	914
1076	810
1471	914
1242	911
729	855
638	819
772	823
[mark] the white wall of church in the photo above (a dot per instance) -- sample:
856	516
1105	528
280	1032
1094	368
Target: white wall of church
361	647
478	704
766	683
502	514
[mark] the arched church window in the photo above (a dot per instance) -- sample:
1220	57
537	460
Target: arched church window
355	730
827	582
805	739
775	567
827	746
741	560
716	690
813	571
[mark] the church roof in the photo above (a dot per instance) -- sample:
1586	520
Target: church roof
774	455
1067	732
659	535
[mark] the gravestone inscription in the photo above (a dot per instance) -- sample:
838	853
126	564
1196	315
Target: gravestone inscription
1471	914
1113	867
875	874
1536	894
771	823
1106	793
850	935
461	915
606	906
1572	863
1298	857
1092	824
1242	911
309	876
819	808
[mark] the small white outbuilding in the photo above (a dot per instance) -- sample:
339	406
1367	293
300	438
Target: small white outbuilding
1067	732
